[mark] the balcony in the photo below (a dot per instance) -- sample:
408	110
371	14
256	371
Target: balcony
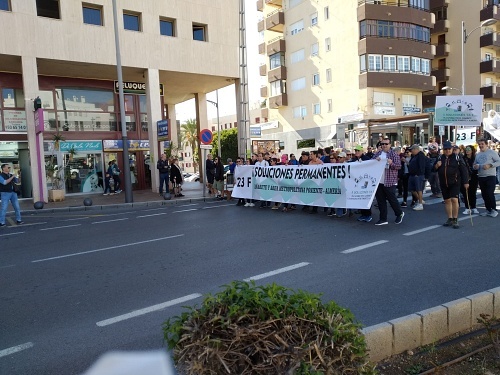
263	70
275	3
491	40
489	12
263	92
262	48
396	80
260	5
276	45
264	113
375	45
277	74
275	21
439	3
442	50
489	66
440	27
278	101
490	92
441	74
390	11
261	25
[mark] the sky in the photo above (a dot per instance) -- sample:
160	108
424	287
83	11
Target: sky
227	101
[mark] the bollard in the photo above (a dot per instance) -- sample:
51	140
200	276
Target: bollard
87	202
38	205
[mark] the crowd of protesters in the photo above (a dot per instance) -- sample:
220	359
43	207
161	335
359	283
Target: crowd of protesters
453	173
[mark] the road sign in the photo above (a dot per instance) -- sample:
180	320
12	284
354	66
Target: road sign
206	147
441	129
206	137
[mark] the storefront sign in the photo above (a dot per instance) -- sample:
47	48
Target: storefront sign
347	185
14	121
137	88
411	111
380	110
459	110
162	129
133	145
39	124
255	132
352	117
269	125
80	146
429	110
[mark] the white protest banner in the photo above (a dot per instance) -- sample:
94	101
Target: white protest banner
465	136
492	124
346	185
459	110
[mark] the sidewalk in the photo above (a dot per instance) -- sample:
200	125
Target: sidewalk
191	190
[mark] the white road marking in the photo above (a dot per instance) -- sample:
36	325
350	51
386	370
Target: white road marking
467	217
9	266
78	218
192	209
107	248
187	205
147	310
163	213
422	230
276	272
109	221
31	224
10	234
222	205
15	349
362	247
65	226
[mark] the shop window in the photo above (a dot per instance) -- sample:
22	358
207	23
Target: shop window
131	21
167	27
92	14
5	5
12	98
199	32
48	8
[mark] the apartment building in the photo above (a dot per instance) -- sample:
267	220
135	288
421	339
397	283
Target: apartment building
334	70
64	53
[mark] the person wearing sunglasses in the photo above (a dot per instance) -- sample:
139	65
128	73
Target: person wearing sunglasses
8	194
386	190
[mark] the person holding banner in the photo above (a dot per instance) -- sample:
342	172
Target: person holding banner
452	174
485	163
386	190
470	194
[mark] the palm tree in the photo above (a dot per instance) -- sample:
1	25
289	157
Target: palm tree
189	137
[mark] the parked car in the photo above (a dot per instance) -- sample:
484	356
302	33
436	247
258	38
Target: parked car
195	177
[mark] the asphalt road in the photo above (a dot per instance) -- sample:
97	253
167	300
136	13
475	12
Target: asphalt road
77	284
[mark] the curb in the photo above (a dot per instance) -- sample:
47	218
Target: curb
425	327
158	203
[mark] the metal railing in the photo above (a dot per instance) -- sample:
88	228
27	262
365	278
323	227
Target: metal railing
400	3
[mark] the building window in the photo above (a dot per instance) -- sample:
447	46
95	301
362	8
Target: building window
497	107
299	84
409	101
403	64
329	75
317	109
294	3
297	56
48	8
327	13
315	79
425	65
389	63
297	27
488	107
92	15
330	105
415	65
276	60
314	49
300	111
167	27
374	63
314	19
277	87
132	21
199	32
5	5
394	30
383	103
362	63
328	44
306	143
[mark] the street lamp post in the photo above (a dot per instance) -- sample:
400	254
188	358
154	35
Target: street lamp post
465	36
216	104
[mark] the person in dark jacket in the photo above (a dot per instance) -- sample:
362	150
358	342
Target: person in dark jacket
8	194
416	181
452	175
176	177
209	172
219	178
163	168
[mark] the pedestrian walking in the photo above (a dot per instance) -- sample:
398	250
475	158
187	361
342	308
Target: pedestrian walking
108	177
452	175
485	163
469	195
116	177
176	177
163	168
8	194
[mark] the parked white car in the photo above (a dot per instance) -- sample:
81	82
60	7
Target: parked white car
195	177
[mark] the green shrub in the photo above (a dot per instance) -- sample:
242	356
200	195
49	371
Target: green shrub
249	329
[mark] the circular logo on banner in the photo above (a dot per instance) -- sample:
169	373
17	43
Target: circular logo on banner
206	137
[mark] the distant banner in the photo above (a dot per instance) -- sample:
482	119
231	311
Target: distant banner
347	185
464	110
492	124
